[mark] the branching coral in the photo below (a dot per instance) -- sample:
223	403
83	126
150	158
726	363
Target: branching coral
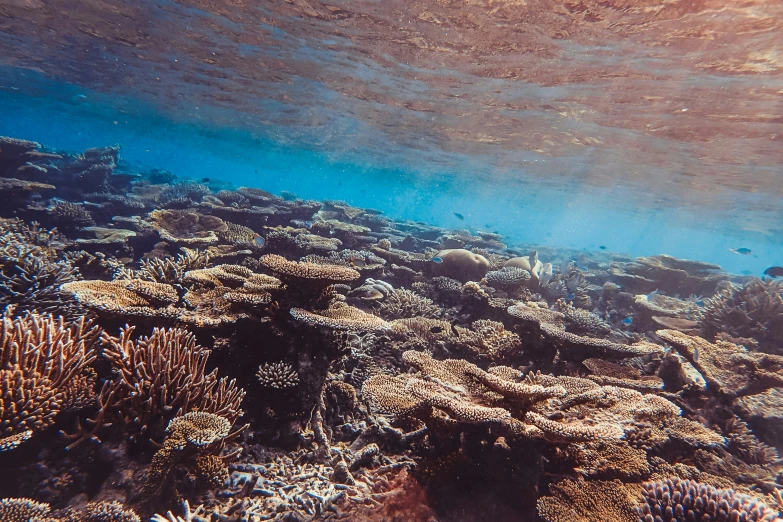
24	510
167	270
44	368
753	310
32	270
165	374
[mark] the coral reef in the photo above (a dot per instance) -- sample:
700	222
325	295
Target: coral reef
258	357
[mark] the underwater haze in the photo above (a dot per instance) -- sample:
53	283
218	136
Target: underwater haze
433	260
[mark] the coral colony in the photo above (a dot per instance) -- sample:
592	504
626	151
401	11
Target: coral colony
176	352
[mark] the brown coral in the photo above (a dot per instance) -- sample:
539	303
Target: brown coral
24	510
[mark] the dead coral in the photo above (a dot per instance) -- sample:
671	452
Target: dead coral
278	375
754	309
729	368
44	365
186	227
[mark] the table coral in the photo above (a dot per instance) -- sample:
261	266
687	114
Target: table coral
308	271
341	317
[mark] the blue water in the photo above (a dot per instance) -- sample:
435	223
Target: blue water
570	214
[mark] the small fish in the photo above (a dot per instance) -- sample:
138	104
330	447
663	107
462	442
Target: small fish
602	247
259	241
358	262
436	329
742	251
459	216
570	297
454	330
695	355
628	321
774	271
205	180
468	247
79	98
437	260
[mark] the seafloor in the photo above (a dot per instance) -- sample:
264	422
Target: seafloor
192	351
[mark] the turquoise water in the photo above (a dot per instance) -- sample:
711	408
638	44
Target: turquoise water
561	212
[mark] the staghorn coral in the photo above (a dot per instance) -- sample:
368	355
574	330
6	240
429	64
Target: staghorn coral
43	370
102	512
340	316
754	309
307	271
186	227
729	368
677	500
277	375
161	374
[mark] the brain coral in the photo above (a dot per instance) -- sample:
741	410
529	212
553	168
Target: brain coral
461	264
